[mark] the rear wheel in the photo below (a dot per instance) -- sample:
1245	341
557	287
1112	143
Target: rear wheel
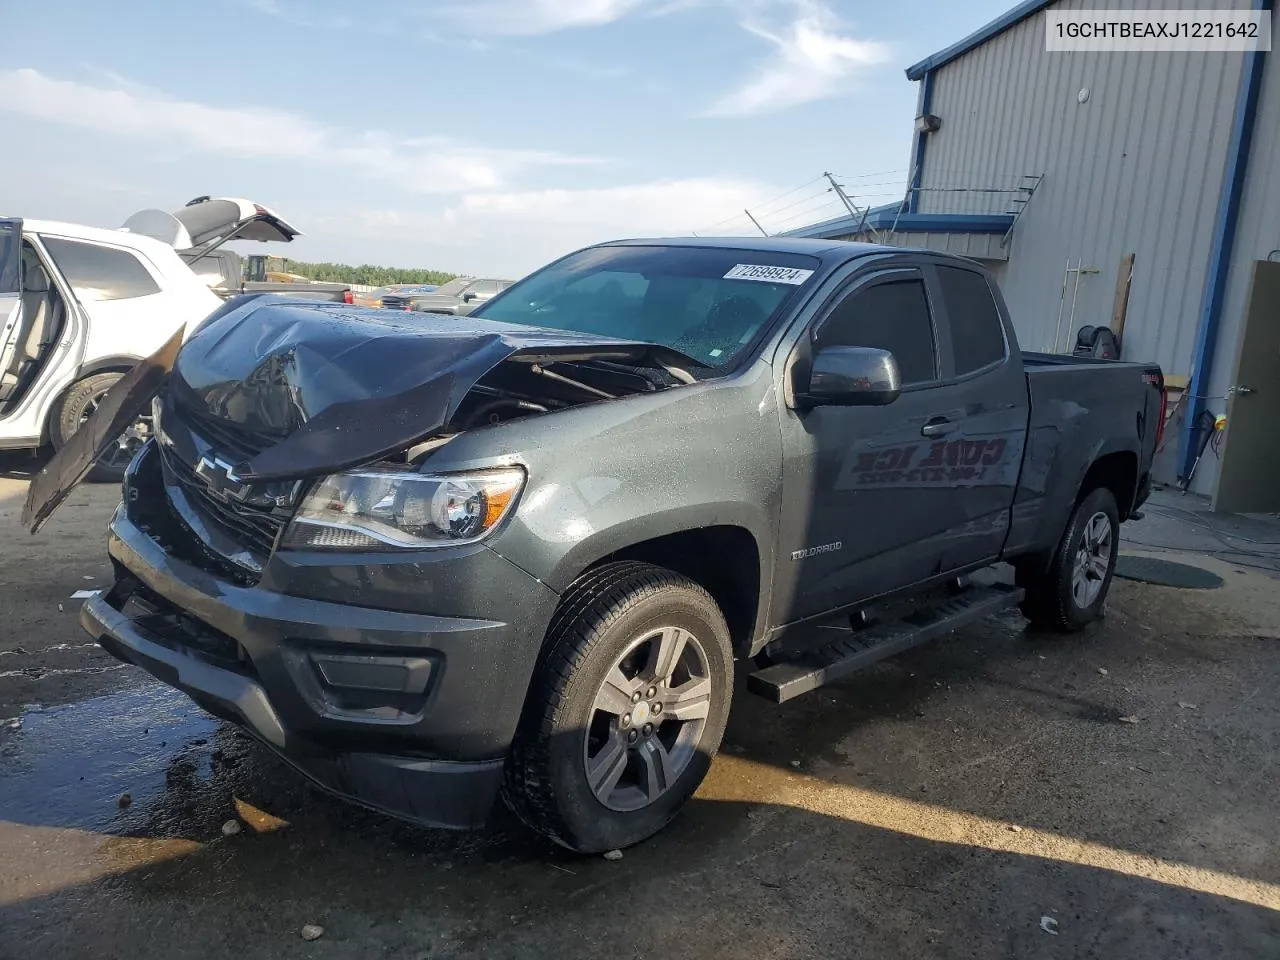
76	406
1071	592
626	711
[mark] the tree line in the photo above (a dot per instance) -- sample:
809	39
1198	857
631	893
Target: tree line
368	273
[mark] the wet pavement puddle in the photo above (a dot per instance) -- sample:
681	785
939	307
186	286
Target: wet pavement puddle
69	766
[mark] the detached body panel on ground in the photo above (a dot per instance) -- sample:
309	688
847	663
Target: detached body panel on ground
542	539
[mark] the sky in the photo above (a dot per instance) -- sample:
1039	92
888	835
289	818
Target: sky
485	137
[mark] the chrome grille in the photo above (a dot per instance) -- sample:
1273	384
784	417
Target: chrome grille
254	528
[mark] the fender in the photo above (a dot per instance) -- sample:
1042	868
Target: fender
1056	514
602	543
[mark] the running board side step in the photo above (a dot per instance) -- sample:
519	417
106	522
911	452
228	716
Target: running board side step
785	681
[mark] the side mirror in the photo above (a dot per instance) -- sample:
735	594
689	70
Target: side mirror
469	296
849	377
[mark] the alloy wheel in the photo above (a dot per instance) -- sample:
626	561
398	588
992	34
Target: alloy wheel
647	718
1093	559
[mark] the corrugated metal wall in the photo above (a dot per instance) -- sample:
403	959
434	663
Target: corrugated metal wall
1257	238
1137	168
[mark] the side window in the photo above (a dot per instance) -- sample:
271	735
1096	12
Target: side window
977	336
10	257
100	273
892	316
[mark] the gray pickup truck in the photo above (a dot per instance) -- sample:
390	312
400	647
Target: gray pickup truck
519	552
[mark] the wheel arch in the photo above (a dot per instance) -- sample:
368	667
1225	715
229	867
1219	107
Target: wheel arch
1116	471
726	558
117	363
1112	467
121	363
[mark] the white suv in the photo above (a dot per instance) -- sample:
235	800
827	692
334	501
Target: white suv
80	306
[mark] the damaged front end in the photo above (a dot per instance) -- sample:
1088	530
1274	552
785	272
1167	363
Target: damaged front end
268	408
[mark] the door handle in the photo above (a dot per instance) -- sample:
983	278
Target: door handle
938	427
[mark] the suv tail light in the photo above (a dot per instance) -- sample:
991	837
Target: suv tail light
348	297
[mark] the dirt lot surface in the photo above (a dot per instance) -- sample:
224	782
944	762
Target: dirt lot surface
995	795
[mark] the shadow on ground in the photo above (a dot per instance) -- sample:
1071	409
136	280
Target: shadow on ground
939	805
23	464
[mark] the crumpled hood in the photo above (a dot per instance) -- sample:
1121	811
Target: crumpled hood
326	386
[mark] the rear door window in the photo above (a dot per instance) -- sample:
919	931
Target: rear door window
977	335
100	273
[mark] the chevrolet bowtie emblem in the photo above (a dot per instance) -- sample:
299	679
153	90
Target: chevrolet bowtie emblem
219	476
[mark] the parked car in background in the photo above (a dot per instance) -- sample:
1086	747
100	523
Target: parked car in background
200	230
80	307
459	297
400	299
520	551
398	296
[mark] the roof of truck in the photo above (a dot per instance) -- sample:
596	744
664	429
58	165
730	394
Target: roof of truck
826	250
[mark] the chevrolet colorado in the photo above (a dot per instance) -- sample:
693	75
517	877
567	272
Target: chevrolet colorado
520	551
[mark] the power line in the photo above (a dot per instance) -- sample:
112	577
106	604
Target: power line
831	205
789	206
867	176
783	196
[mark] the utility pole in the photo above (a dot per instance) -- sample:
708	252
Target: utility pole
762	230
853	211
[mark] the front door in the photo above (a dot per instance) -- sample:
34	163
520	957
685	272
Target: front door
1251	447
864	511
10	307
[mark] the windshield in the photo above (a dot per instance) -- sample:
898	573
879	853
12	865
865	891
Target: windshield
707	303
453	287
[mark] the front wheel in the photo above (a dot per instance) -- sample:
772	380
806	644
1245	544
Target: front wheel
627	709
1070	593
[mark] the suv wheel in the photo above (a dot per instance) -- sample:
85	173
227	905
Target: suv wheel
76	406
1070	594
626	710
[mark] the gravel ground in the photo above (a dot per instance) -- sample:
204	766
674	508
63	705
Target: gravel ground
995	795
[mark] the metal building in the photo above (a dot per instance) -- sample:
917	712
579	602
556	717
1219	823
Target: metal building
1132	190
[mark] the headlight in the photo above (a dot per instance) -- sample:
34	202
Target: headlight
380	510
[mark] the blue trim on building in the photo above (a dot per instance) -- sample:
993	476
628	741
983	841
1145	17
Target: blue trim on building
942	222
1224	237
891	217
827	229
925	103
1029	8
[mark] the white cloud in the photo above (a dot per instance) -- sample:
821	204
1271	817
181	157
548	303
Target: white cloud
304	15
532	17
813	59
510	233
430	165
678	205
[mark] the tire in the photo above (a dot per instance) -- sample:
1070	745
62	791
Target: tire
619	621
71	411
1056	599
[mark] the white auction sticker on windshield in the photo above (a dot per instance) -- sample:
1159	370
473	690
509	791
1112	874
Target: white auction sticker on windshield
767	274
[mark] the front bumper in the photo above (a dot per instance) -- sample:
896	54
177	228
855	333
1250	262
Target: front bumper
408	713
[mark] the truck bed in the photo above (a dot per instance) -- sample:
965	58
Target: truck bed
1083	410
1033	358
